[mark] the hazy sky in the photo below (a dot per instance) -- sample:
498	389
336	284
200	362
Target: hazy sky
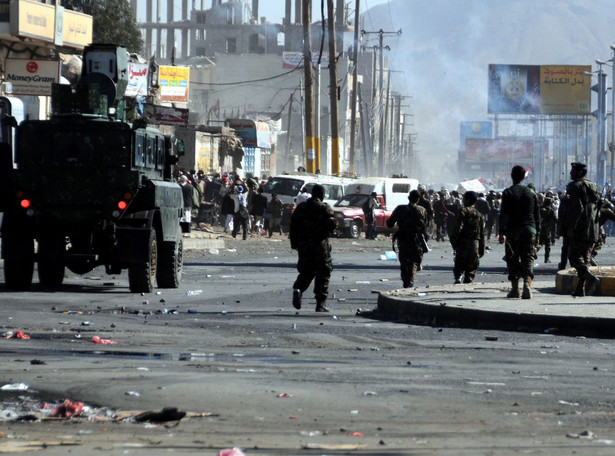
273	10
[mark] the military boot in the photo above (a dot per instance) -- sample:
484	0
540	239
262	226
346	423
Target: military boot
592	284
321	306
514	292
579	291
297	298
527	292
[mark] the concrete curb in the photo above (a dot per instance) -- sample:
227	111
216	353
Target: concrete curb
485	307
566	280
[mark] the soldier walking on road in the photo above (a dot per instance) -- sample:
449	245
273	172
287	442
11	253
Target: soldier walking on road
548	222
582	221
519	226
468	240
411	222
311	224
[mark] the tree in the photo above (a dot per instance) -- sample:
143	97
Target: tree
114	21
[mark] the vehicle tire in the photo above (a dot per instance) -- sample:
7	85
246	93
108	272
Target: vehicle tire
18	274
141	276
170	266
354	230
51	261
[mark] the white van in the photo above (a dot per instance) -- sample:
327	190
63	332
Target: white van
394	190
288	186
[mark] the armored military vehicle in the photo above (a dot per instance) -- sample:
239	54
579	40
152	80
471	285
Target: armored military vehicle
87	189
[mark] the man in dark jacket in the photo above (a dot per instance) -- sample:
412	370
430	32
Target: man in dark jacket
257	210
411	221
519	226
311	224
582	222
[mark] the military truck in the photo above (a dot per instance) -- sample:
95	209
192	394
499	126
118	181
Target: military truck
86	189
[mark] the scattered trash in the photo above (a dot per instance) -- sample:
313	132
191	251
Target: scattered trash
363	281
192	311
132	393
194	292
228	276
357	434
214	251
85	323
354	412
165	415
284	395
388	256
422	293
352	290
491	338
581	435
231	452
383	280
98	340
68	409
574	404
37	362
370	393
231	250
15	335
15	387
341	299
311	433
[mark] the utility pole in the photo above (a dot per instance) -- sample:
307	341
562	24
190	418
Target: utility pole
288	141
310	156
335	140
381	138
355	85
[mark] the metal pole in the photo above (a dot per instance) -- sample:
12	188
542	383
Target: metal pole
355	85
382	113
309	89
335	145
612	143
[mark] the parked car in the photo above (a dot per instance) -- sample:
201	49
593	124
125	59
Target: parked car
390	192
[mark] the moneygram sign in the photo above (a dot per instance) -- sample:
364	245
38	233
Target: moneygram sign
31	77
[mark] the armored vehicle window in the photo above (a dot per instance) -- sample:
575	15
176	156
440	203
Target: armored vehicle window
401	188
139	150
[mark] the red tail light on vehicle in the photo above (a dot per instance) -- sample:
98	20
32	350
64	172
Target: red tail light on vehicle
25	203
122	205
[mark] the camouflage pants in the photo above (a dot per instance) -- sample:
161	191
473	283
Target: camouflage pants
600	243
467	260
546	239
410	257
579	254
520	254
314	263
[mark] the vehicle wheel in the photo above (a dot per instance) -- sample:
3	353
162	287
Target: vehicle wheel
354	230
169	273
141	276
18	271
51	261
18	274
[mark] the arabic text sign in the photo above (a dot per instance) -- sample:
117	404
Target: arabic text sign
564	89
539	89
499	150
32	77
137	79
173	83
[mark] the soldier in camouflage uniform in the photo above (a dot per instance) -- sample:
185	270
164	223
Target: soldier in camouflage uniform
548	222
468	240
411	221
582	220
519	225
311	224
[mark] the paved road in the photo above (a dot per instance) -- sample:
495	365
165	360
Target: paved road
257	374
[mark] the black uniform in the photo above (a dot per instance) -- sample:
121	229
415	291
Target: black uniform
311	224
412	222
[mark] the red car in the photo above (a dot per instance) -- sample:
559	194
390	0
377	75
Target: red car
350	218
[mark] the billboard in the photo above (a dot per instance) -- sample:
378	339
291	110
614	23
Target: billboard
539	89
173	82
475	129
508	150
137	79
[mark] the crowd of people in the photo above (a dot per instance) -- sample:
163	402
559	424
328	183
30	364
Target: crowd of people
237	204
522	219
